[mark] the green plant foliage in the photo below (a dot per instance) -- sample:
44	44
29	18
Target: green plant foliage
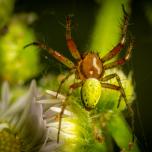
107	29
6	8
84	140
18	64
118	128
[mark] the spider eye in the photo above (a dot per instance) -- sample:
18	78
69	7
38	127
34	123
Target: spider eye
90	93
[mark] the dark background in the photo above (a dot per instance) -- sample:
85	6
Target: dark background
52	14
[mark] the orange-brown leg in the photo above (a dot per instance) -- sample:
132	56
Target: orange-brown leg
122	94
60	120
122	60
54	53
76	85
72	87
120	45
70	42
68	75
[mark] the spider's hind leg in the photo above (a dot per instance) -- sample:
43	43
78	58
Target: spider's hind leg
122	95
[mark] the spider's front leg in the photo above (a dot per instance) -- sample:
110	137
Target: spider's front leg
120	45
122	94
54	53
70	42
121	60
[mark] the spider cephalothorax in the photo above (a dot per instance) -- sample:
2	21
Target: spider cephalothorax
90	66
89	69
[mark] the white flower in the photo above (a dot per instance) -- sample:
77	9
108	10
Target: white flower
53	106
22	127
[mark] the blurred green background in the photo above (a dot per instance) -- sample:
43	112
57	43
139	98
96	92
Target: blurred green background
48	25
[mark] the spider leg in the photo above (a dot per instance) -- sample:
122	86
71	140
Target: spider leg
72	87
120	88
122	60
110	86
120	97
60	120
54	53
76	85
69	74
70	42
120	45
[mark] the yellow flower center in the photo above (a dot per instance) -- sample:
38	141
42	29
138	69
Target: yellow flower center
9	142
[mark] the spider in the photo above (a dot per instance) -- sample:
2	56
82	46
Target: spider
89	68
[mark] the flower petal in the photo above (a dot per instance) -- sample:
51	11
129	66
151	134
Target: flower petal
5	95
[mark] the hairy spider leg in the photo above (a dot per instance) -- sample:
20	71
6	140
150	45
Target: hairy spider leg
70	42
54	53
60	121
122	60
76	85
120	45
63	80
119	100
120	88
72	87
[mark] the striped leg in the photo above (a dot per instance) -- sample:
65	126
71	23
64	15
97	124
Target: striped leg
70	42
54	53
120	45
122	94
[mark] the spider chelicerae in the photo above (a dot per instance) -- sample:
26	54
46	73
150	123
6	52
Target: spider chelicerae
90	68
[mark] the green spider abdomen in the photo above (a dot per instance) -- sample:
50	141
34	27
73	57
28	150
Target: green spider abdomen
90	93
